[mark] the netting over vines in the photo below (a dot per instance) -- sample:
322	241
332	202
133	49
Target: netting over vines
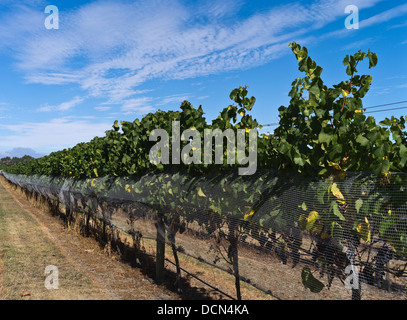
277	233
324	213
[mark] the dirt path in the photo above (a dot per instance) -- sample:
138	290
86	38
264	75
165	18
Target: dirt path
31	240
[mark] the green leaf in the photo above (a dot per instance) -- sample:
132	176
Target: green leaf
372	59
336	230
310	282
298	160
324	138
403	155
284	147
362	141
346	60
358	204
382	167
315	91
335	150
336	211
380	152
116	125
386	122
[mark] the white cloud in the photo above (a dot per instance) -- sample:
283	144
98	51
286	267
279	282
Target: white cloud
53	78
51	136
65	106
397	26
384	16
137	106
173	99
213	10
381	91
110	48
359	44
100	108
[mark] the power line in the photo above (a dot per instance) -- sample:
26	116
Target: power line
387	110
385	105
270	125
372	107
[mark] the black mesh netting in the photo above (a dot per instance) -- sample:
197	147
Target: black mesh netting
288	237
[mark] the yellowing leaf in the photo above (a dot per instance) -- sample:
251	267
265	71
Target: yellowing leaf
200	193
337	193
345	93
248	216
325	235
312	217
364	230
335	165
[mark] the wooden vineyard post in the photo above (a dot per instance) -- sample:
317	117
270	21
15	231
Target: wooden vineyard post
233	254
68	214
160	252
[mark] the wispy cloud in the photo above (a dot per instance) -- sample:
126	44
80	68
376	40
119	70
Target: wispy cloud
384	16
359	44
64	106
53	135
157	39
397	26
178	98
103	108
137	106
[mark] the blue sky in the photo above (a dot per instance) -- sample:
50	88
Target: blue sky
117	60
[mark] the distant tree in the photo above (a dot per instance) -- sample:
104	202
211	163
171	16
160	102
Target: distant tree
8	162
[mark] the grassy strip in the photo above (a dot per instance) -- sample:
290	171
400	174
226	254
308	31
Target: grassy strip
25	252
